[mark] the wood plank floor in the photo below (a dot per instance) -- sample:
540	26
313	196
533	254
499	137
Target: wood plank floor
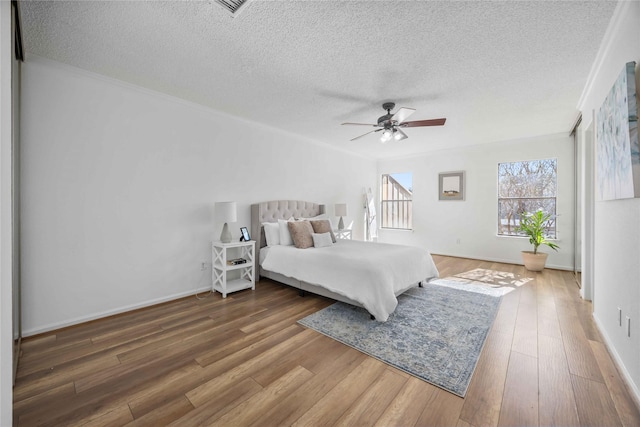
244	360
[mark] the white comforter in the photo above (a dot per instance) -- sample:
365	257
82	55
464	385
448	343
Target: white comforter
370	273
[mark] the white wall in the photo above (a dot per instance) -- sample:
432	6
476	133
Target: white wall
439	224
6	271
617	223
119	185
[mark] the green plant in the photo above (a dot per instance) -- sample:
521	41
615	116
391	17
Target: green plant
533	225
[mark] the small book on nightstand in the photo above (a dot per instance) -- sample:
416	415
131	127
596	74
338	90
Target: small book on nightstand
236	261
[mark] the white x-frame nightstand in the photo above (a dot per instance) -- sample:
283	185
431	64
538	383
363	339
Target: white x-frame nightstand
344	234
231	278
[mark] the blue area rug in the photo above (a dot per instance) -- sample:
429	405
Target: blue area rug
436	333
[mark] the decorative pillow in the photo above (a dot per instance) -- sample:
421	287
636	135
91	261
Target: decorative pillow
301	234
285	235
323	226
321	240
271	233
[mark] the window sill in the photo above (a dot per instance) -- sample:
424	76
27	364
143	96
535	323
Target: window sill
506	236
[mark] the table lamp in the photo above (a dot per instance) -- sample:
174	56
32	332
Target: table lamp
226	212
341	210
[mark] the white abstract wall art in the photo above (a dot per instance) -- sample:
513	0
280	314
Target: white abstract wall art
451	186
618	152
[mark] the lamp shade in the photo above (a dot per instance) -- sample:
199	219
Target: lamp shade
226	212
341	209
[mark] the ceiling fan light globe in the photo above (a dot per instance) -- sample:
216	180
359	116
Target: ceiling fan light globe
386	136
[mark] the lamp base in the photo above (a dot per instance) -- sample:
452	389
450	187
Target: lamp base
341	224
225	236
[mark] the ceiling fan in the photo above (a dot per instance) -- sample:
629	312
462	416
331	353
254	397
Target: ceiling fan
390	124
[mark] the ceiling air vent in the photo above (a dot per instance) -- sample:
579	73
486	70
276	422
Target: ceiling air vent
233	6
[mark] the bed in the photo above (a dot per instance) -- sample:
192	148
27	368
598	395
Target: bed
364	274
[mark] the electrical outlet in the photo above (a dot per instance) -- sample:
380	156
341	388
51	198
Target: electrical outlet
203	266
458	241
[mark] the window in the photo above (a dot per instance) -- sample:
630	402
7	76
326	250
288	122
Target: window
396	201
526	187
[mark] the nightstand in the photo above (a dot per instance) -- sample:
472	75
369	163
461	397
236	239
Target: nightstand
344	234
226	277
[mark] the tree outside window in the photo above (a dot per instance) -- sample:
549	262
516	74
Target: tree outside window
526	186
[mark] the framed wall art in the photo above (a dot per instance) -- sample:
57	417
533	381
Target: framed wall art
618	154
451	186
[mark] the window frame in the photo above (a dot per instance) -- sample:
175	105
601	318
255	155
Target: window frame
407	214
528	198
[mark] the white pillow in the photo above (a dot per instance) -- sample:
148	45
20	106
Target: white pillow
321	240
271	233
285	234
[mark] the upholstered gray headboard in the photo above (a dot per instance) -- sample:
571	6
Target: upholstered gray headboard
273	211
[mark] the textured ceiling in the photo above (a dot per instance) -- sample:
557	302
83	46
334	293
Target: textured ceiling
495	70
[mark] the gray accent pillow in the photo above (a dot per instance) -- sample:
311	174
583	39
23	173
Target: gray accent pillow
321	240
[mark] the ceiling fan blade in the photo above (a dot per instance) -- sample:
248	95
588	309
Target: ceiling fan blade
402	114
416	123
358	137
359	124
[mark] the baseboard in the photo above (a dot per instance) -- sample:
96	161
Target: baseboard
71	322
633	387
